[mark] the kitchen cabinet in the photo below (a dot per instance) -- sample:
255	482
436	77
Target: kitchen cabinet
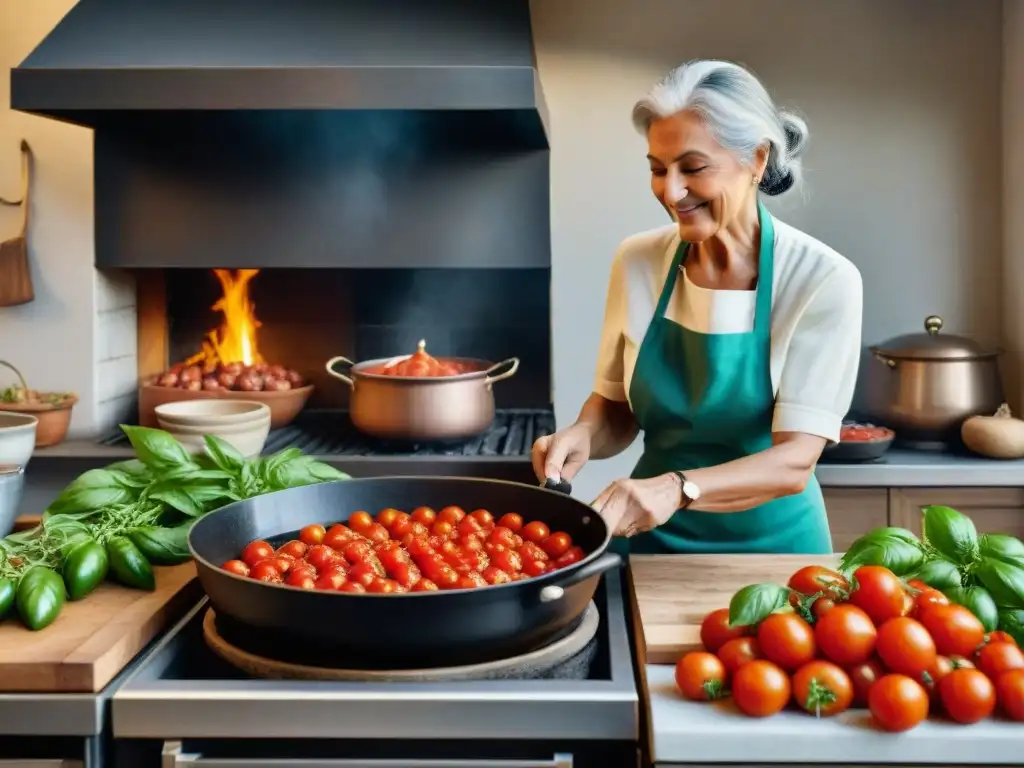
852	512
993	510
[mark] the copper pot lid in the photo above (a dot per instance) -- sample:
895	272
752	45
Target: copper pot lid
932	345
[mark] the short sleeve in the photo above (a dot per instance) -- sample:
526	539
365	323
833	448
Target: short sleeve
609	381
820	372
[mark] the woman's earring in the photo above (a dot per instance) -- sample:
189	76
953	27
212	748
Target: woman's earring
755	181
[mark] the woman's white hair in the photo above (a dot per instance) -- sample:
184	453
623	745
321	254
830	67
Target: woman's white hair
738	111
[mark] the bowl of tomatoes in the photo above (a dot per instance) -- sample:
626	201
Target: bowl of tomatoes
859	442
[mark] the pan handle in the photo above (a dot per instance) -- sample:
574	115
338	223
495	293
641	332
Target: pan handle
606	562
561	486
330	369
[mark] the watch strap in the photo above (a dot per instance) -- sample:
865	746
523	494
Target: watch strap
687	501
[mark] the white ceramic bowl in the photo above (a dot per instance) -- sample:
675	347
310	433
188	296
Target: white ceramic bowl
207	413
17	438
248	439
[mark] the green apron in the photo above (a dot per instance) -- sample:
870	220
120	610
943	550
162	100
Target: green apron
706	399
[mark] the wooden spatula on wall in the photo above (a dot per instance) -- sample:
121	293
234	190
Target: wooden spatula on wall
15	275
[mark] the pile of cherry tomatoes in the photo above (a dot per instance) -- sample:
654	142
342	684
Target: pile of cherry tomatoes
420	552
901	650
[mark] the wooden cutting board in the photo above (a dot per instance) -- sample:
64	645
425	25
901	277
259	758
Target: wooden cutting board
673	593
93	639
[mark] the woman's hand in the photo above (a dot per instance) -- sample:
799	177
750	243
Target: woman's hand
630	507
561	455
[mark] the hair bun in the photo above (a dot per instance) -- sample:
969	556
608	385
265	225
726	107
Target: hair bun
796	134
776	182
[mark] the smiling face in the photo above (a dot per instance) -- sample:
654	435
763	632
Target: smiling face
703	186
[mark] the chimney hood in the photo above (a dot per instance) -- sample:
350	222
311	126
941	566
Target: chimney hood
108	57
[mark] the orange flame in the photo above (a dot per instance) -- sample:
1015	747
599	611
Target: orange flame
235	340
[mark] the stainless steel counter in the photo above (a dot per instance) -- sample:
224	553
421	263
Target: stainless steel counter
909	469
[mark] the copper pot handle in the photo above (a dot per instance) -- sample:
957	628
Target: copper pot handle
330	369
513	362
887	361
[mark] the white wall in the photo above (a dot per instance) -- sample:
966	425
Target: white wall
904	165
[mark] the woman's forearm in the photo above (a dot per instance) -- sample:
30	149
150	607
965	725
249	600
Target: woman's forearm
736	486
611	424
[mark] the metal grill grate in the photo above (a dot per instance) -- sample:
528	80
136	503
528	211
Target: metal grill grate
330	433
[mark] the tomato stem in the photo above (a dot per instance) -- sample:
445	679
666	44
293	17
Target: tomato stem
818	697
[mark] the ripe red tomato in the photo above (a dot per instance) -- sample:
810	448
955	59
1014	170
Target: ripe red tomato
508	561
512	521
822	688
786	640
716	632
879	593
1010	693
330	579
312	534
236	567
256	552
943	666
760	688
493	575
377	534
700	676
862	677
738	652
529	550
265	571
320	556
572	555
424	585
382	586
905	647
360	522
482	516
534	567
293	548
387	516
967	695
1000	637
846	635
451	515
535	531
898	703
996	658
812	579
301	579
352	586
362	573
926	599
424	515
557	544
400	526
955	629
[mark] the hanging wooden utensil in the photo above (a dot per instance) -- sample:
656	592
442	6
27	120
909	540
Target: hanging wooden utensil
15	275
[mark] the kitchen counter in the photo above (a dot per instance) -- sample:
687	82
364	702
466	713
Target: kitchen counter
683	732
900	468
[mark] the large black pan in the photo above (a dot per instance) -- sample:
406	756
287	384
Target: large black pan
415	629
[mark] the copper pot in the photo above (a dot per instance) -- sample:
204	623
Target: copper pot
422	408
925	385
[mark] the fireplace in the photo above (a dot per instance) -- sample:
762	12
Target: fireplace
345	177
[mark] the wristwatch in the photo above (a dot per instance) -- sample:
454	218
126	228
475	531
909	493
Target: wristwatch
690	490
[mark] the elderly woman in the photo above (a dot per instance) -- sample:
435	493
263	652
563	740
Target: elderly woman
731	339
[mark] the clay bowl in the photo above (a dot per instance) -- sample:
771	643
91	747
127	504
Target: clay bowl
54	420
284	406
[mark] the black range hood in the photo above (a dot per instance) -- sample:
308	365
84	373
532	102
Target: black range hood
111	56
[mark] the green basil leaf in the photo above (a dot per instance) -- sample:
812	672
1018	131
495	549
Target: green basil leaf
1011	621
275	460
978	601
999	546
898	555
157	449
162	546
939	573
90	492
755	603
1004	581
132	473
223	454
951	534
192	500
303	470
892	532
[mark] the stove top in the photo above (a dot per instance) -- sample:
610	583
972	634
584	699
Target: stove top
329	433
181	690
